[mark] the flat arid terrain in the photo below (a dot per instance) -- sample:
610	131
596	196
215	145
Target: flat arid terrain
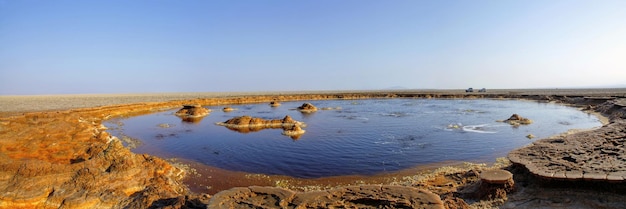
55	153
31	103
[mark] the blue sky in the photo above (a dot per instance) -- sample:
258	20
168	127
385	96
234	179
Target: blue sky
141	46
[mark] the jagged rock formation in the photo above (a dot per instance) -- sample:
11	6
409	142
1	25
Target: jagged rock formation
517	120
294	131
589	155
249	121
307	108
67	160
192	111
344	197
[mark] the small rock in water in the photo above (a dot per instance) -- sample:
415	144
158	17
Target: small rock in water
164	125
307	108
530	136
274	103
517	120
192	111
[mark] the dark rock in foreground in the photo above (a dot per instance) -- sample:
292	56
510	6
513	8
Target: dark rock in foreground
370	196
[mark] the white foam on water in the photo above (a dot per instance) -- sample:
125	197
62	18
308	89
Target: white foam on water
477	129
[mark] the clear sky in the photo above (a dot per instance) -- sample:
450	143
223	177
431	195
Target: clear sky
140	46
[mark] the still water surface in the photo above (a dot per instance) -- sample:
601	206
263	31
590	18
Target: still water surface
362	137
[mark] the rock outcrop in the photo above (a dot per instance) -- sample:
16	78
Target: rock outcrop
615	109
589	155
67	160
274	103
247	124
192	111
307	108
249	121
294	131
369	196
517	120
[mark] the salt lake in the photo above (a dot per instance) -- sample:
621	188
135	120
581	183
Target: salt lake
364	137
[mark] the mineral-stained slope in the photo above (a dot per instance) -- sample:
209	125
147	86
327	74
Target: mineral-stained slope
65	159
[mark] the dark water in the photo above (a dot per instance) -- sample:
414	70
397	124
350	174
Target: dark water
363	137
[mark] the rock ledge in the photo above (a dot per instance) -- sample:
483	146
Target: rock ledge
369	196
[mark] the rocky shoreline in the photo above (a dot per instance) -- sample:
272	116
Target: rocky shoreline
63	157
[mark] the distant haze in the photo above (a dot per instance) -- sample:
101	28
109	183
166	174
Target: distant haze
141	46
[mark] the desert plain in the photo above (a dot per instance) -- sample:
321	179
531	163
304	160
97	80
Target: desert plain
55	153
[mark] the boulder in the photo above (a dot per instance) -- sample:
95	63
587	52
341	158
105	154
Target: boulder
517	120
307	108
294	130
274	103
228	109
192	111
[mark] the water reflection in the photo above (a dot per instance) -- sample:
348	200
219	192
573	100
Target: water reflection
187	119
245	130
249	129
